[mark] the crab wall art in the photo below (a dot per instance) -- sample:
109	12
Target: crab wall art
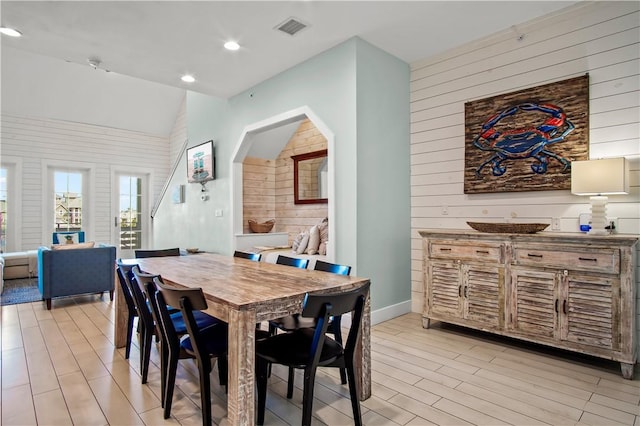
526	140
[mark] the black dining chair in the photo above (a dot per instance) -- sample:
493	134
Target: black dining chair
292	261
140	254
251	256
213	339
295	321
310	348
148	323
125	274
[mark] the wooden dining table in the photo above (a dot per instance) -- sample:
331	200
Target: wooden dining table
243	293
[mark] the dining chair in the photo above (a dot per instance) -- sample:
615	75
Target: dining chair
124	274
172	349
140	254
295	321
292	261
148	323
251	256
310	348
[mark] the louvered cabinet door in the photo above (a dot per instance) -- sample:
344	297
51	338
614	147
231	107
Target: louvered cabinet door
483	291
590	310
535	302
444	290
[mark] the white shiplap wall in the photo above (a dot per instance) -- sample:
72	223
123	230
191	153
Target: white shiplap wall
41	140
602	39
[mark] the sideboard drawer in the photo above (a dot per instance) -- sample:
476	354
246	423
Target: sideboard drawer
600	260
476	251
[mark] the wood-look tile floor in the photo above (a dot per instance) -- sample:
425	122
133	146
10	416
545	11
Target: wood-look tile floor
60	367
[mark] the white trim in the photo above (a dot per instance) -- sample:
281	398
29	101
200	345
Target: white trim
242	148
14	207
383	314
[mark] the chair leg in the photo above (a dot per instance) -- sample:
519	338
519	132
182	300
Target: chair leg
48	304
307	398
262	367
337	334
145	355
223	372
205	392
111	295
353	392
127	349
169	383
290	381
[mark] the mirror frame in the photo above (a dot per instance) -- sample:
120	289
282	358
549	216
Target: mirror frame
302	157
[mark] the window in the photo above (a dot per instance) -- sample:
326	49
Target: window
4	217
130	212
68	200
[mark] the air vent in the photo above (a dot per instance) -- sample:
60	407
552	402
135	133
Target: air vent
291	26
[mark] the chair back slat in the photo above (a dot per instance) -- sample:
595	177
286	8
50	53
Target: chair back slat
124	274
173	295
139	297
251	256
332	267
140	254
291	261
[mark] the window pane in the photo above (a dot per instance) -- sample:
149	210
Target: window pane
130	212
3	210
68	201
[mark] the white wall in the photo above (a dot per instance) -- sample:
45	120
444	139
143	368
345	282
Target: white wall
602	39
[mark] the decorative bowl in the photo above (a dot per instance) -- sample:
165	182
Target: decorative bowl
508	228
261	228
193	250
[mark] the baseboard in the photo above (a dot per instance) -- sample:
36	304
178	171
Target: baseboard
383	314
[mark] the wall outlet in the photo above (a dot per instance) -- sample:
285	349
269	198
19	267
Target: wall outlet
218	212
445	210
555	224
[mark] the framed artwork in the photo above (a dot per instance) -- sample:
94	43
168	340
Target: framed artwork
200	163
526	140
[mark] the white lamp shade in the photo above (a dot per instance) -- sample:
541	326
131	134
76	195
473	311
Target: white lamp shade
599	177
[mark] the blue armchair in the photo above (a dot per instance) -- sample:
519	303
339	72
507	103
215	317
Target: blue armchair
77	271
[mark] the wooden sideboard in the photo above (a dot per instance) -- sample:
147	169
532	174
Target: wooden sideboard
571	291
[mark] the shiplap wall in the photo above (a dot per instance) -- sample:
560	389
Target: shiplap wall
38	140
268	186
178	134
602	39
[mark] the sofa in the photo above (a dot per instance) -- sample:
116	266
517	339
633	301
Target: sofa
76	271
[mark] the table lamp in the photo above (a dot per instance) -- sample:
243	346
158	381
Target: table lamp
599	178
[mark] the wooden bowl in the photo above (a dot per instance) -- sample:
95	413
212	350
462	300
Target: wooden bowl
508	228
261	228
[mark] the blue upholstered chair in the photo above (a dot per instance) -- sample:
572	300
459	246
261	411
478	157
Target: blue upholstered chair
76	271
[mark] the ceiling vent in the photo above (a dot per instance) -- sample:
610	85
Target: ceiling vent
291	26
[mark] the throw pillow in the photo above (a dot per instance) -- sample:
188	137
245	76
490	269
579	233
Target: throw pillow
296	241
314	240
89	244
322	249
323	227
303	244
63	238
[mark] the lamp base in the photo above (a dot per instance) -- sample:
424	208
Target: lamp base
598	215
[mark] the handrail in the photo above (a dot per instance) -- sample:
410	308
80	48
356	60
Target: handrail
154	210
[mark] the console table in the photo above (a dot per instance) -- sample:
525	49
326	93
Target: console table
571	291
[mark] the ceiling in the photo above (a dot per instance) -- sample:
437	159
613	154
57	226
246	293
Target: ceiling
161	40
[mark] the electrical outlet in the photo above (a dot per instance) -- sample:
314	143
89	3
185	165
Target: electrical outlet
218	212
555	224
445	210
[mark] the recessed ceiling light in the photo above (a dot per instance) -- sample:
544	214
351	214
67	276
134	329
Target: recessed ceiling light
187	78
231	45
10	32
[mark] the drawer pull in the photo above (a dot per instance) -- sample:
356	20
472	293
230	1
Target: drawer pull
564	306
537	256
444	249
459	291
588	259
556	305
482	251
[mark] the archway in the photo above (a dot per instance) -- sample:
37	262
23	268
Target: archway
242	148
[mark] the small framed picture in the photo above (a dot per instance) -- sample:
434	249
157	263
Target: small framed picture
200	163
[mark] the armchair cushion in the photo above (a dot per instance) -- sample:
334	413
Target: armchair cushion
73	237
72	272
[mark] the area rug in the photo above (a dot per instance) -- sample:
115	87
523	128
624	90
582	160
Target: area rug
20	290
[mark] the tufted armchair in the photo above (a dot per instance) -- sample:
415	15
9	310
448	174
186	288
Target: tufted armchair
77	271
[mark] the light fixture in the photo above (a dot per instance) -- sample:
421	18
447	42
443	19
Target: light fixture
231	45
188	78
11	32
599	178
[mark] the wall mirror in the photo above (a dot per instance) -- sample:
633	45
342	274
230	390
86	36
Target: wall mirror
310	173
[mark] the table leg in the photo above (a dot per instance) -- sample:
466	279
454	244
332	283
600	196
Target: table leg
363	354
241	354
122	313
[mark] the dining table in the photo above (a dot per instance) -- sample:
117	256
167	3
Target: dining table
244	293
